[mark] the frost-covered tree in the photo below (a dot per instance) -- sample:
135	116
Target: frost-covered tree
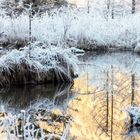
42	2
17	6
12	7
110	8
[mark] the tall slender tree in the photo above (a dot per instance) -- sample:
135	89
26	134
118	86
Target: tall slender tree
108	8
112	9
88	6
133	6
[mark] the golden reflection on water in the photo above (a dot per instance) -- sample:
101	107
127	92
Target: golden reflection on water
101	114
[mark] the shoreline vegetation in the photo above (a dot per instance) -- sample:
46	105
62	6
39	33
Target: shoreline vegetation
45	64
40	41
37	45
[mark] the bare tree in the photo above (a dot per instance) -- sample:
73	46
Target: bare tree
88	6
112	11
29	11
133	6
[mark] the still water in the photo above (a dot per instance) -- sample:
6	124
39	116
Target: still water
97	104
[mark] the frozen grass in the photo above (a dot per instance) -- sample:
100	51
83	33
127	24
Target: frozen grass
46	64
76	27
22	126
28	124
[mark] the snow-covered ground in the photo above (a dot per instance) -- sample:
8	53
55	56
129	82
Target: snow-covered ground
76	27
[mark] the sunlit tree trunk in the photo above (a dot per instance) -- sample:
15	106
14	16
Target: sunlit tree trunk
133	6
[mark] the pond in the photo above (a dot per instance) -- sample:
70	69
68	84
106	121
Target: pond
95	107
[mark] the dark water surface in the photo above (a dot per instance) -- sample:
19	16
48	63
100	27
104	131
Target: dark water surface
98	101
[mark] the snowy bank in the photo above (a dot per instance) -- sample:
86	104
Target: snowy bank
75	27
45	64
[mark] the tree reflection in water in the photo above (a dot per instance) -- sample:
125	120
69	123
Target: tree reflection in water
35	112
106	94
24	97
120	91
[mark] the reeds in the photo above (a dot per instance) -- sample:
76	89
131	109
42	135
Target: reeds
45	64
